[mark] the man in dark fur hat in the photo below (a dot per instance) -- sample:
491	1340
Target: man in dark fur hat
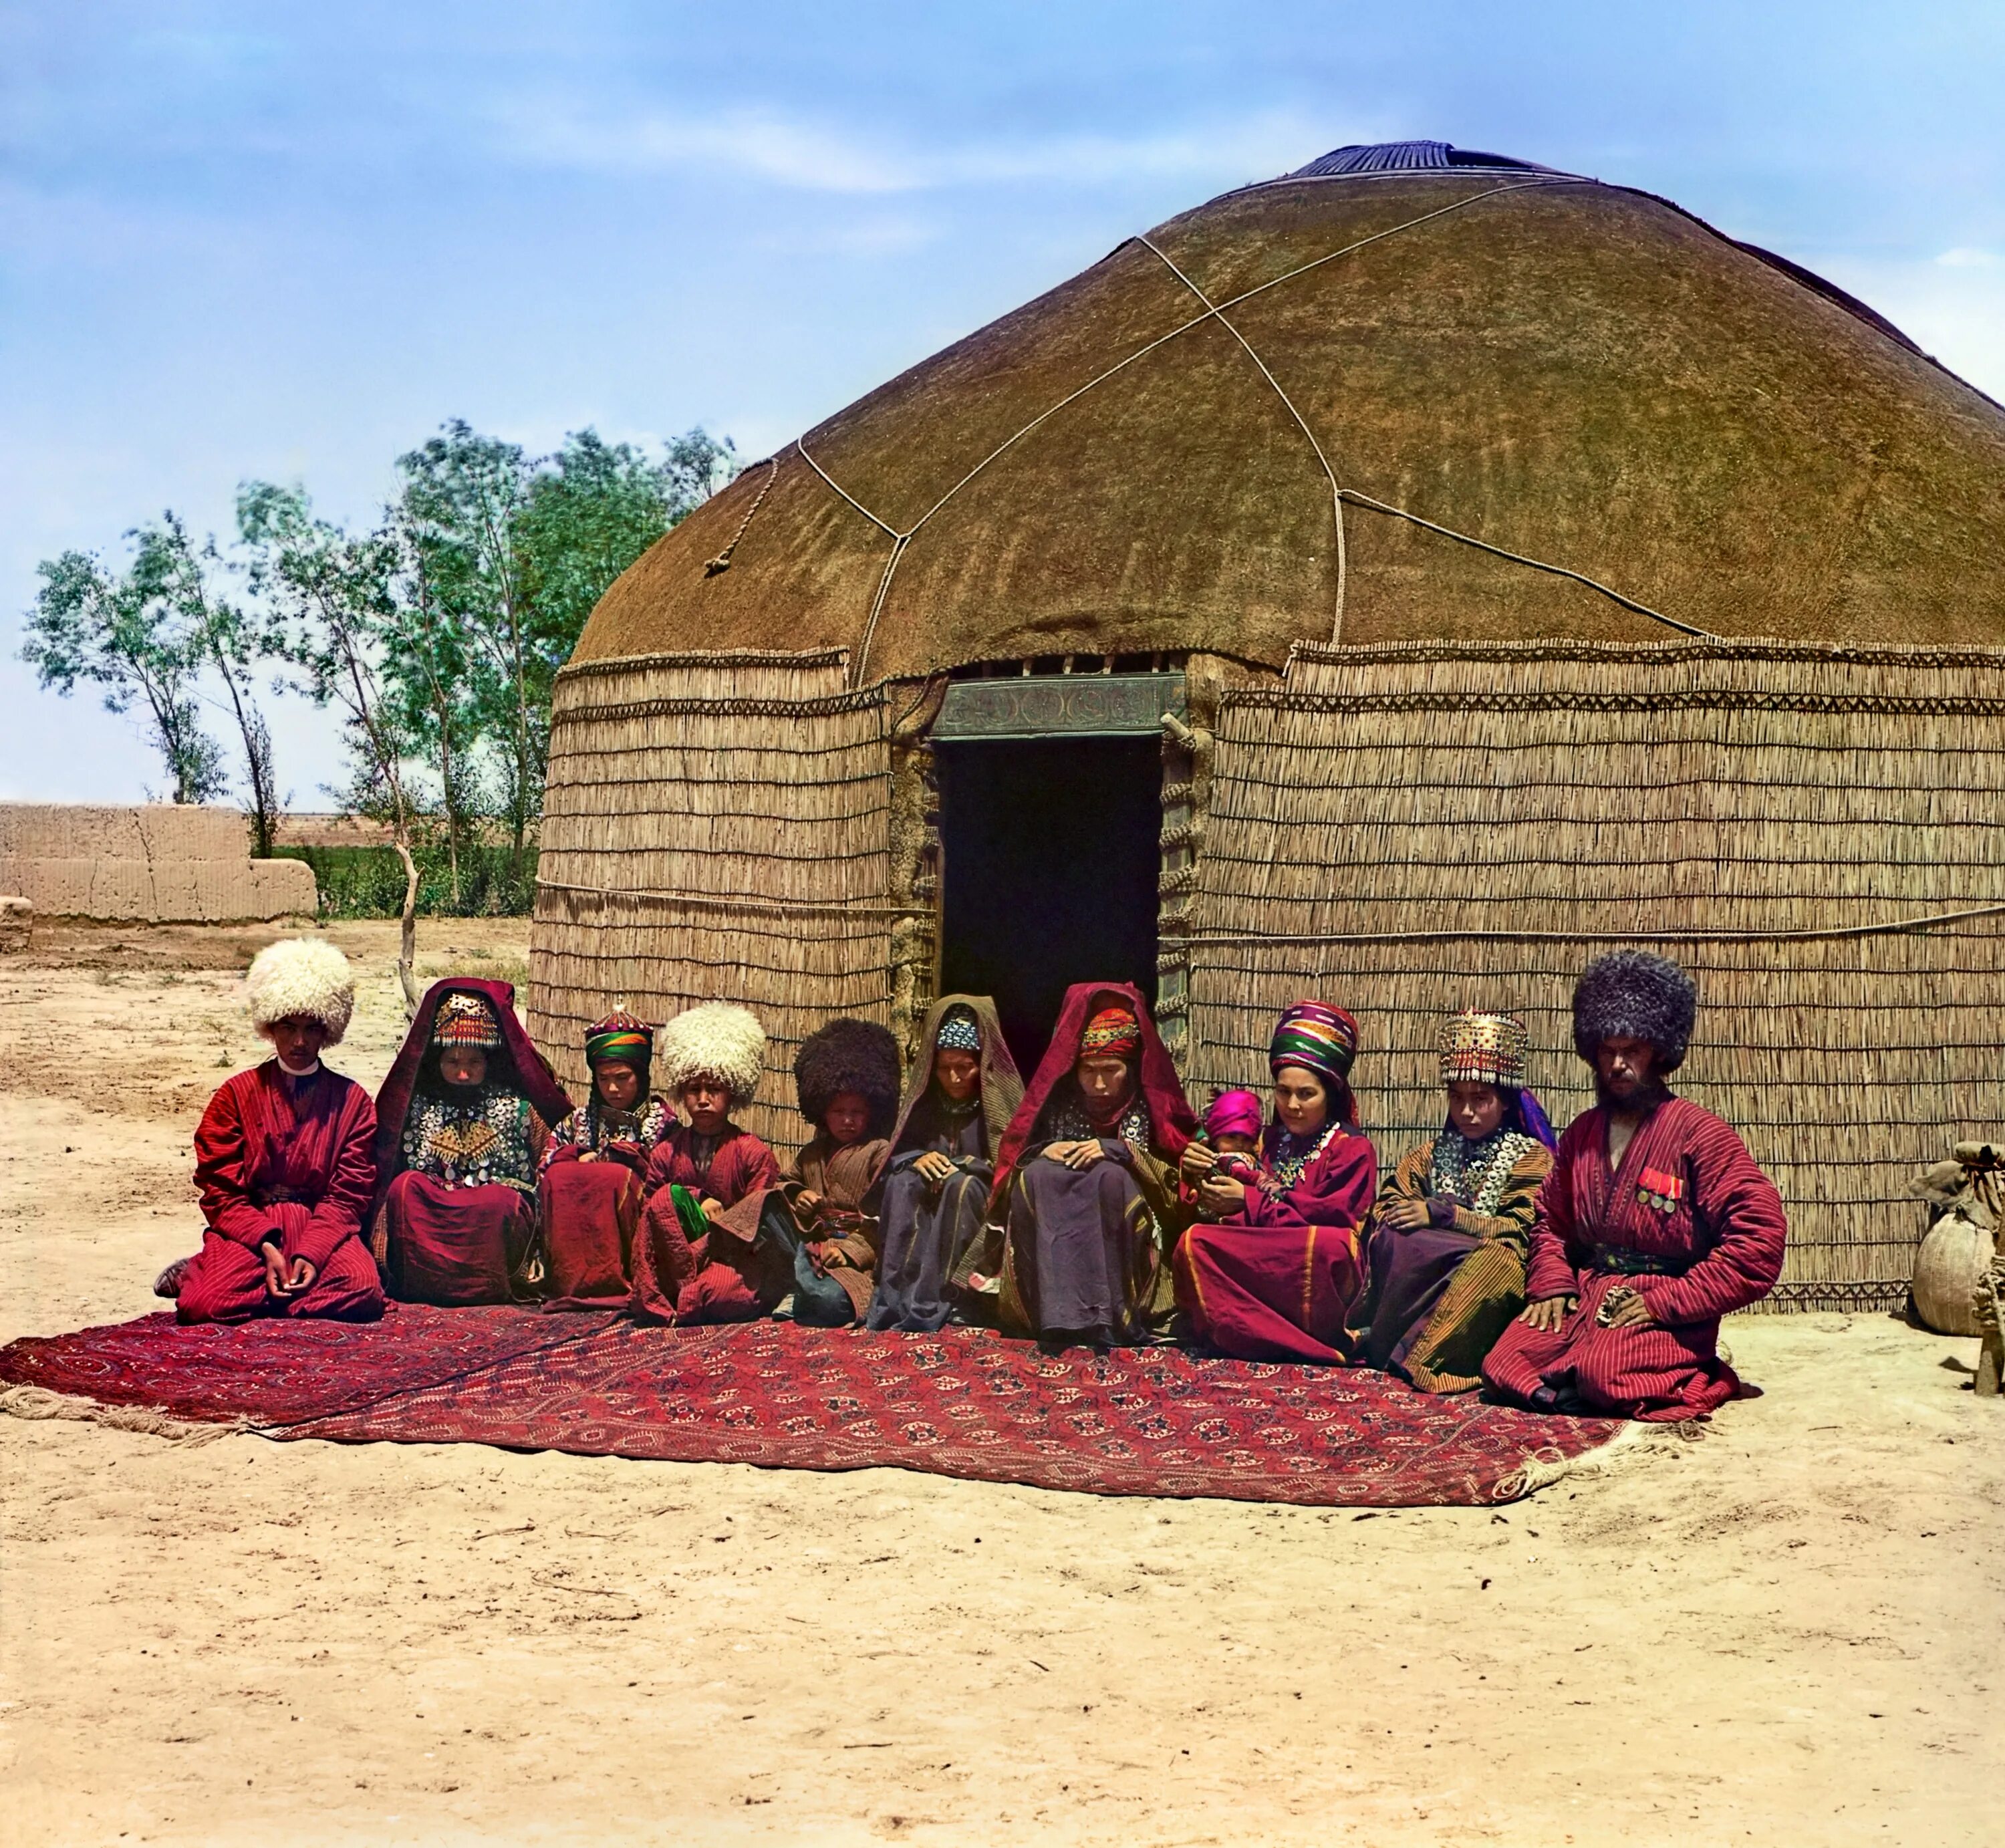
811	1235
1653	1223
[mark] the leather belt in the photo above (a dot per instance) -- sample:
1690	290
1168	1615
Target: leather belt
1622	1262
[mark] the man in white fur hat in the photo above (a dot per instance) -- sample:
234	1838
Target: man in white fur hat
284	1161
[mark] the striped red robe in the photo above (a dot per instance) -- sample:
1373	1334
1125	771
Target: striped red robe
1278	1281
714	1277
1688	1221
290	1161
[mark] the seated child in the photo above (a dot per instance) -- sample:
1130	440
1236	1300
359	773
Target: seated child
1231	1131
814	1232
684	1268
593	1169
284	1161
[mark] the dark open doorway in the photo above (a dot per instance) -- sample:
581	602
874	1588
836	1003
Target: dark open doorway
1050	857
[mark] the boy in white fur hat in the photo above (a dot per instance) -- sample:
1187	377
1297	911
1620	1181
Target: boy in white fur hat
687	1266
284	1161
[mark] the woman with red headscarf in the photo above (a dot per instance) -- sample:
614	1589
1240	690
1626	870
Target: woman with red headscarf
1276	1269
461	1124
1086	1180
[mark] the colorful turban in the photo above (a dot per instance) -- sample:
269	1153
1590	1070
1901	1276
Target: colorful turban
1232	1113
1320	1039
958	1032
1483	1049
465	1019
619	1039
1113	1033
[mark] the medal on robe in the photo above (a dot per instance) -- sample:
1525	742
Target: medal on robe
1661	1191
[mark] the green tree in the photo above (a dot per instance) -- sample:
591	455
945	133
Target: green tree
331	612
131	634
430	663
227	641
513	553
462	492
593	509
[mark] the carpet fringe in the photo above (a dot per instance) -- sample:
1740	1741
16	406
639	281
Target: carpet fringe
1635	1439
38	1402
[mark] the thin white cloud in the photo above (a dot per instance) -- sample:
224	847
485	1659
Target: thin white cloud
1952	306
786	150
872	234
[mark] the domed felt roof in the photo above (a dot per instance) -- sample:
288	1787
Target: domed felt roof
1144	458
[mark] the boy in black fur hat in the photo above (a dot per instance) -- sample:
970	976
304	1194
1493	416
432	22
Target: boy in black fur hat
811	1230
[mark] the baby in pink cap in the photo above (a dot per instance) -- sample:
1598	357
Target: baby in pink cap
1232	1128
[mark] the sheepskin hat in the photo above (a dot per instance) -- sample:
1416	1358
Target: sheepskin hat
302	975
1633	995
713	1039
848	1054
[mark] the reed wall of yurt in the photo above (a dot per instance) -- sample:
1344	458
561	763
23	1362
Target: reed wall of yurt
1818	834
717	827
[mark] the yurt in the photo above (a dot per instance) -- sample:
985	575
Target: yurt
1398	582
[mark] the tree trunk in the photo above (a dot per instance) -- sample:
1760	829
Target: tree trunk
257	738
452	821
407	954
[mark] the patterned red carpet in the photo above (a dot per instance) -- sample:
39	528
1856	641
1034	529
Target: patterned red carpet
965	1402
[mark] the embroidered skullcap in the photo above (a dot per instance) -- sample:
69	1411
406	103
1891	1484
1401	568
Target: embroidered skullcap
621	1039
1320	1038
1233	1113
1633	995
1483	1049
1113	1033
465	1021
958	1031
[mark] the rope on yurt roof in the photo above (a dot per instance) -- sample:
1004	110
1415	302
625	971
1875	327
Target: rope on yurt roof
1214	310
901	539
722	561
1537	564
1339	493
802	446
1335	489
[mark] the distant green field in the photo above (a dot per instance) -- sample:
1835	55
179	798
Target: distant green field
368	882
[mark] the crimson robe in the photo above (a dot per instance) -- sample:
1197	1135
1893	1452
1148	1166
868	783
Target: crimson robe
1688	1221
714	1277
1278	1281
290	1161
591	1209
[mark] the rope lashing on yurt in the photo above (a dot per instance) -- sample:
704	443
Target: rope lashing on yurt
1834	934
722	561
1339	493
614	666
734	902
900	540
897	536
1302	422
1537	564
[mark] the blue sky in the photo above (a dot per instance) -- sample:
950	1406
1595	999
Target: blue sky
241	239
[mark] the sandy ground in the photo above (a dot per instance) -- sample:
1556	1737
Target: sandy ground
1788	1632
